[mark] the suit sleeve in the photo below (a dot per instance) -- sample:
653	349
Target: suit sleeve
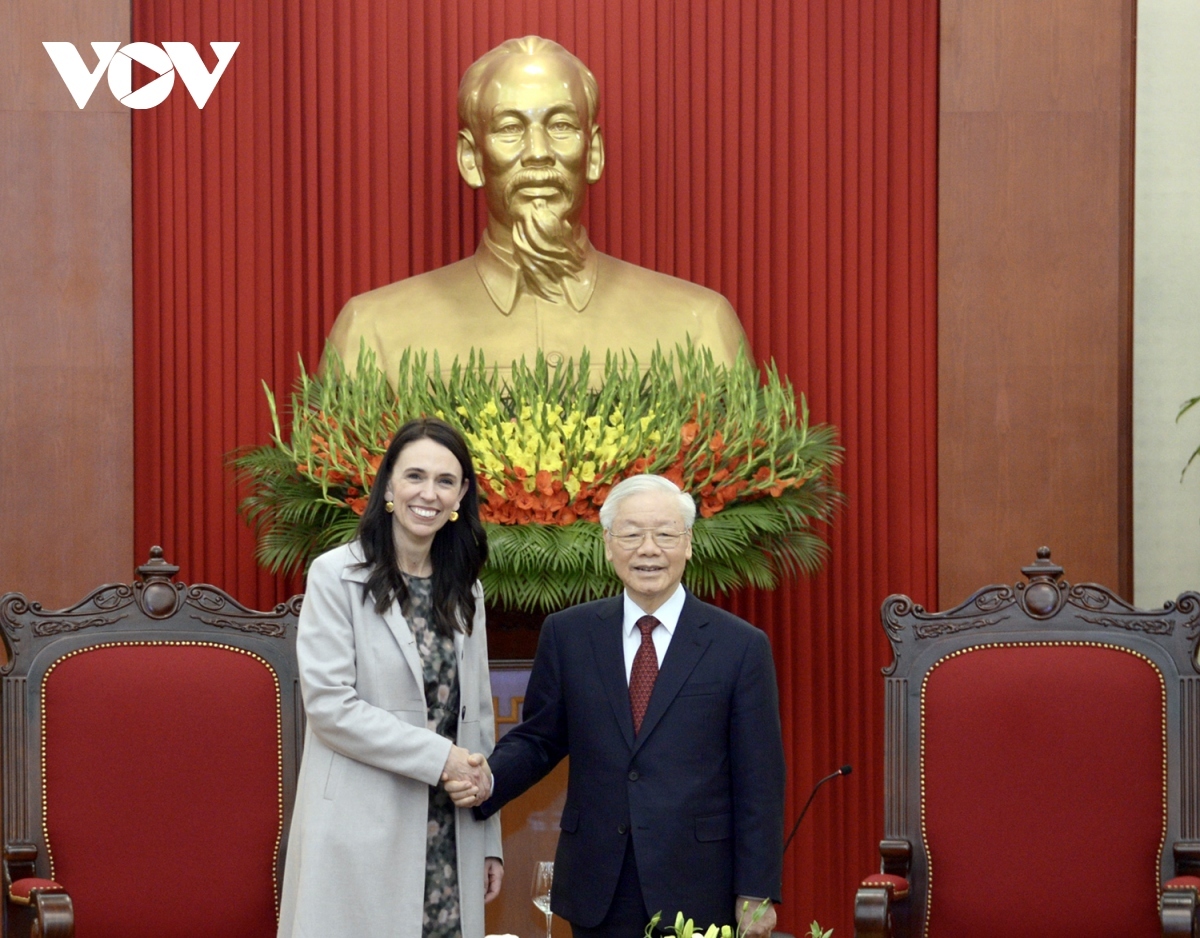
758	770
538	743
336	714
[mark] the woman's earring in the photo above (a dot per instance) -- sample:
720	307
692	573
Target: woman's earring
389	507
454	516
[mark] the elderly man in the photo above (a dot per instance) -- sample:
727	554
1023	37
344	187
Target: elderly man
667	707
529	138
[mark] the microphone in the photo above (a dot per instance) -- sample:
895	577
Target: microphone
844	770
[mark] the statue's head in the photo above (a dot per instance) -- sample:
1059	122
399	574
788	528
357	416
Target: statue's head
529	138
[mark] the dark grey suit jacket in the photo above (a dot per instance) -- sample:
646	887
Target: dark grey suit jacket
700	789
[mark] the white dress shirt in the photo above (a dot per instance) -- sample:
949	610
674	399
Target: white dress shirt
668	616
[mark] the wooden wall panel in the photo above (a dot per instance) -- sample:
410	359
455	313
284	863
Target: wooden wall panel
1035	220
66	384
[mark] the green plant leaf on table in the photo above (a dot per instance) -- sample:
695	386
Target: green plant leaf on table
1183	409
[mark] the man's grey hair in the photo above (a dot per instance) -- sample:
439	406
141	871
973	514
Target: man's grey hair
474	77
636	485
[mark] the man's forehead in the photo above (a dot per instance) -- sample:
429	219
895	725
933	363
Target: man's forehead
523	82
648	510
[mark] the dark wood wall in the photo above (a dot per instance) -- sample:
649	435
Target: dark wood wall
66	387
1034	290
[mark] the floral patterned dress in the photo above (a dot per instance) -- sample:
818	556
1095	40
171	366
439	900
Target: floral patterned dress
442	917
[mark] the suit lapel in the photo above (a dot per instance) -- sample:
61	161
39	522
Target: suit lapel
609	653
688	645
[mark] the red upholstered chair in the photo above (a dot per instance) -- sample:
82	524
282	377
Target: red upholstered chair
1042	766
150	743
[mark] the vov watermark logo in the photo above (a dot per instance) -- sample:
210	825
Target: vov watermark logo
118	60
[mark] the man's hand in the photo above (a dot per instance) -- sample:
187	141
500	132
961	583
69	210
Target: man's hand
493	875
466	777
743	914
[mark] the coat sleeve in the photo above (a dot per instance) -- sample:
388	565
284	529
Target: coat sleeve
487	721
538	743
758	775
336	714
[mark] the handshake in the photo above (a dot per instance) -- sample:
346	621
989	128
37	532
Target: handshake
466	777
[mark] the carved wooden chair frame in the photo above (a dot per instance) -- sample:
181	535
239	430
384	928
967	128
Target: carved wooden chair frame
152	609
1045	609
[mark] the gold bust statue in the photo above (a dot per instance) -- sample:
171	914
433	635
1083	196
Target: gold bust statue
529	139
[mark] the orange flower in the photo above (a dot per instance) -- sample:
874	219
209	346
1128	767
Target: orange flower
357	505
688	432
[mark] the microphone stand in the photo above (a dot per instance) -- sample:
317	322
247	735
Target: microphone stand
844	770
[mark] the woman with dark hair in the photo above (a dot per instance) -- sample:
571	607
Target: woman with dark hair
393	667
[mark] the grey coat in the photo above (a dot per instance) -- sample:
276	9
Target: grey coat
356	851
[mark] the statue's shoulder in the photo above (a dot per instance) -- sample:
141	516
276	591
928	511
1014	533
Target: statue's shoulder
677	311
393	317
445	284
621	277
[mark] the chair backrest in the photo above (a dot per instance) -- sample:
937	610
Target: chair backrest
1042	758
151	735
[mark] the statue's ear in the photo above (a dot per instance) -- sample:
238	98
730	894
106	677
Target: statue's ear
595	161
468	160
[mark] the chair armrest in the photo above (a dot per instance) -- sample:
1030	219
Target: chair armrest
55	915
878	899
1177	907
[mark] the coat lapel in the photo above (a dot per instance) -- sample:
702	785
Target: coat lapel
407	642
609	655
688	645
394	619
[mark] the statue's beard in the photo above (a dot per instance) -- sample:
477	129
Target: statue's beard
544	245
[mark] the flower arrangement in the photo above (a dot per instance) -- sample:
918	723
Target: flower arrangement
548	444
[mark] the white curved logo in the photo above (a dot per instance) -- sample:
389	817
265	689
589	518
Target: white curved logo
117	60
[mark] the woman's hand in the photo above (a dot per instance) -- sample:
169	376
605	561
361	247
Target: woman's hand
466	777
493	874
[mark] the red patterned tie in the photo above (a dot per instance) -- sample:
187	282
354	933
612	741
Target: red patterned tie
644	672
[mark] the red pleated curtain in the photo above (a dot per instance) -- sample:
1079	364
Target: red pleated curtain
780	152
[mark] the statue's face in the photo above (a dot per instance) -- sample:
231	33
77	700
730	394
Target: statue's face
535	137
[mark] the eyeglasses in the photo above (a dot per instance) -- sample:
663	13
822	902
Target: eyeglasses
664	539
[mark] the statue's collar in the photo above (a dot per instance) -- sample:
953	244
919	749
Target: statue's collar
502	277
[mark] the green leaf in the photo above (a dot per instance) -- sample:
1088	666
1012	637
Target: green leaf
1183	409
